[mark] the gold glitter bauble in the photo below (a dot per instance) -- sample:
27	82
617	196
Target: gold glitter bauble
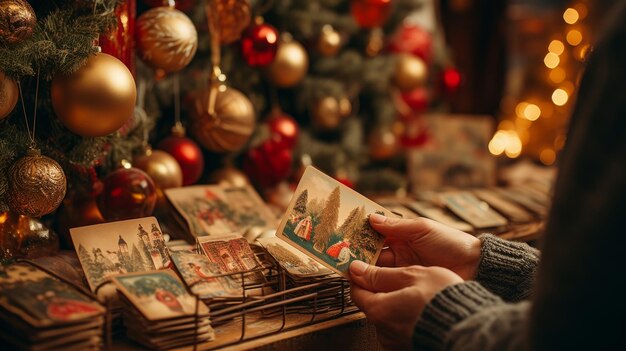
326	113
161	167
230	127
410	72
97	99
8	95
233	16
290	64
17	21
166	38
329	41
37	185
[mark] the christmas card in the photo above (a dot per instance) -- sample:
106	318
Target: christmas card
467	206
205	278
232	254
220	210
109	249
329	222
297	264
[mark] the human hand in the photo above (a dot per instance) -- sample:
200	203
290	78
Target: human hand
427	243
394	298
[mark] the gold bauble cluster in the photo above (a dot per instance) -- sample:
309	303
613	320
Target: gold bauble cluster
328	112
36	186
97	99
166	38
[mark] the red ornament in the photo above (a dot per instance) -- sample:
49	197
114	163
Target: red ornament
371	13
182	5
416	99
127	193
268	163
412	39
188	155
120	41
451	80
259	44
284	129
345	181
415	134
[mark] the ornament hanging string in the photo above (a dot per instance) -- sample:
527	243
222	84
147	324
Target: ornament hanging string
177	121
31	135
216	73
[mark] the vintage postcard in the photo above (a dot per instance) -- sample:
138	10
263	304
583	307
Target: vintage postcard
232	254
41	299
293	261
511	210
456	154
440	215
199	273
465	205
329	222
159	295
219	210
121	247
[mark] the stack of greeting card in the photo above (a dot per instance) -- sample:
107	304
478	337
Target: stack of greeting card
159	312
110	249
40	312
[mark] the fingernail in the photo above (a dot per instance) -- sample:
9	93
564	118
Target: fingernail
358	267
377	219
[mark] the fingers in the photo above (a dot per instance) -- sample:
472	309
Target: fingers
363	299
387	258
398	228
379	279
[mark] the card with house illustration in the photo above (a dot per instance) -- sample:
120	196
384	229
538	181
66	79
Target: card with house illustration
108	249
292	260
220	210
329	222
232	254
41	299
159	295
204	277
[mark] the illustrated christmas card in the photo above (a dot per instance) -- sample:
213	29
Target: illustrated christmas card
109	249
292	260
204	277
232	254
329	222
220	210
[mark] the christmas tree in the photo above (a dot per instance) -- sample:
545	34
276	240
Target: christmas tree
267	88
328	221
300	206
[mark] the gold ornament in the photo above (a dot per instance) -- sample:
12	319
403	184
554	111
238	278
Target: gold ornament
96	100
37	185
326	113
329	41
345	107
410	72
8	95
233	16
161	167
290	64
231	124
26	237
229	176
383	144
166	38
17	21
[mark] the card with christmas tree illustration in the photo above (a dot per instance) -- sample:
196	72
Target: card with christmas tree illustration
329	222
220	210
159	295
109	249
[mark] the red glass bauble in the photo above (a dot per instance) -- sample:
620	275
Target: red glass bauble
268	163
284	129
182	5
417	99
259	45
450	80
127	193
412	39
188	155
120	41
371	13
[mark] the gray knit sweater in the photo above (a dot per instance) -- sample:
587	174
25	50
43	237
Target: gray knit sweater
475	315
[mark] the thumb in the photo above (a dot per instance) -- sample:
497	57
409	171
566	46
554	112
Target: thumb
379	279
401	229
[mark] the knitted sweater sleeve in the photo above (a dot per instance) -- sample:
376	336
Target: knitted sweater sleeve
507	268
